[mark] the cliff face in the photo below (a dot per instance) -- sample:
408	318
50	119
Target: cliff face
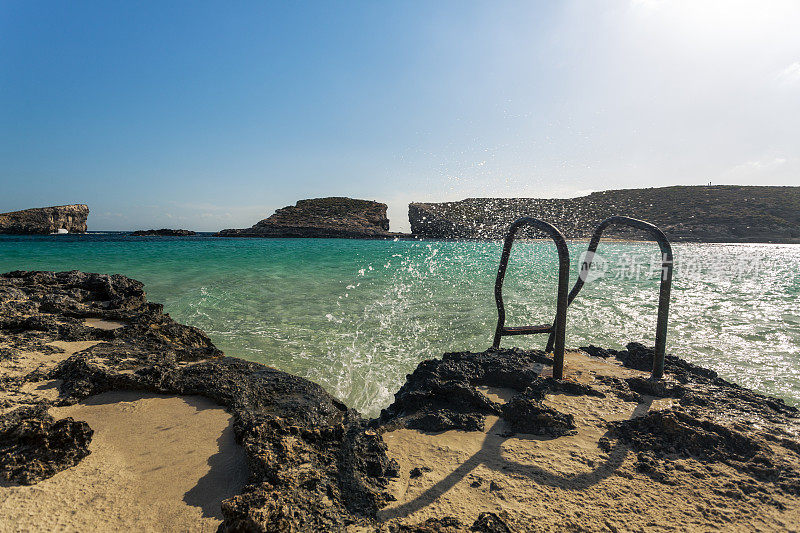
45	220
321	217
709	214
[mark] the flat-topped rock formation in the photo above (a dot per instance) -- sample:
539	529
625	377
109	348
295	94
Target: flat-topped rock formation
724	213
322	217
164	232
45	220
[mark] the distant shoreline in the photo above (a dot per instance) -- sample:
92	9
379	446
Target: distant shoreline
404	237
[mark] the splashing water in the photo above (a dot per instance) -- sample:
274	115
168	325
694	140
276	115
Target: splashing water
357	316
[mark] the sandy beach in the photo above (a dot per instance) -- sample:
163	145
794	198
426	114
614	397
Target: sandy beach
157	463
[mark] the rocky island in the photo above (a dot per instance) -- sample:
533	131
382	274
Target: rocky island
107	403
164	232
45	220
335	217
725	213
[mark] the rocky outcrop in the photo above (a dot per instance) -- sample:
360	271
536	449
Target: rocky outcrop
313	465
164	232
45	220
701	214
34	446
322	217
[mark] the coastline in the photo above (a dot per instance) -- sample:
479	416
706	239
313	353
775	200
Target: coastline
434	459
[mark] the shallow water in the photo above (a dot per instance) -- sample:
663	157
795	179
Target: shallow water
357	316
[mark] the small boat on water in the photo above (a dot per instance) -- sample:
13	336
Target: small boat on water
61	231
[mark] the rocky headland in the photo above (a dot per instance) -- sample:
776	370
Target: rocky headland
725	213
483	441
335	217
45	220
164	232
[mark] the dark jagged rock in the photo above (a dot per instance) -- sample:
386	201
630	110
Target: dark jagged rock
164	232
441	394
34	446
661	435
596	351
525	413
446	524
45	220
726	213
659	388
488	522
313	463
322	217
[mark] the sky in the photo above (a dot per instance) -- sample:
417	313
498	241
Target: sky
210	115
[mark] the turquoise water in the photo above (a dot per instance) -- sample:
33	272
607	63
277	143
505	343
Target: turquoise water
357	316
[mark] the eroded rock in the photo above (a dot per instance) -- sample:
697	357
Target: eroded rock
34	446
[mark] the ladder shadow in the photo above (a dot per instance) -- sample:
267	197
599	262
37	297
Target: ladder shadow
491	456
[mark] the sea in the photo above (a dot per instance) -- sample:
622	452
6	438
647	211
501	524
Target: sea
356	316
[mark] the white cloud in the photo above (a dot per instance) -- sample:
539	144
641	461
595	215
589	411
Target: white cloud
758	166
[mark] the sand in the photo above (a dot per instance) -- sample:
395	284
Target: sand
157	463
568	483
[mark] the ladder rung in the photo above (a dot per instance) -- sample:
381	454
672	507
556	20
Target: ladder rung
527	330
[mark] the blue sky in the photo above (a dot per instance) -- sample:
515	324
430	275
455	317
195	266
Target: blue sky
210	115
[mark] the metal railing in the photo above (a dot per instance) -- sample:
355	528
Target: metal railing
558	328
664	289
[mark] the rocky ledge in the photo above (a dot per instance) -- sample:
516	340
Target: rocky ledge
45	220
316	465
322	217
164	232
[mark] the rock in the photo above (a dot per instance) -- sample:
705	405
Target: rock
447	524
488	522
660	436
164	232
525	413
33	446
441	394
45	220
322	217
728	213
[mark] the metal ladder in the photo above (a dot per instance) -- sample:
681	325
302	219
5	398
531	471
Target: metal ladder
558	327
555	341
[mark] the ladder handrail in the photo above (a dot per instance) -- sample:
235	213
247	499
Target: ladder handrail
558	329
664	289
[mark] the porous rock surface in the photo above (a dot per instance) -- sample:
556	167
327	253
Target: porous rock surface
45	220
34	446
332	217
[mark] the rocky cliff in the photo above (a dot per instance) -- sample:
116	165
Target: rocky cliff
321	217
724	213
45	220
